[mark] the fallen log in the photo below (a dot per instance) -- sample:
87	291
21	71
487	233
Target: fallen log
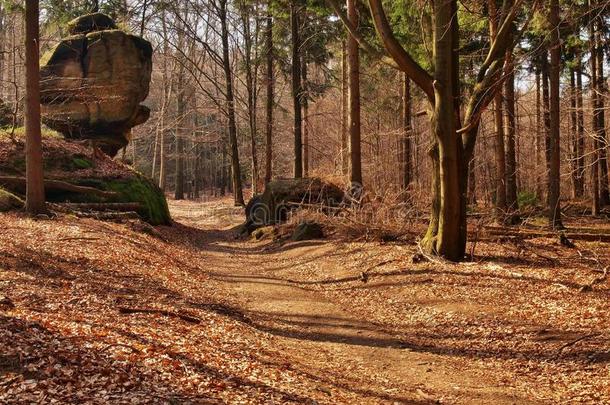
122	207
55	185
108	216
532	233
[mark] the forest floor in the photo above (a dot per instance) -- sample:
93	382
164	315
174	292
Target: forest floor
101	312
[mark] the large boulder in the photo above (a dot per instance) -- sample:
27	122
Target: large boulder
284	195
93	81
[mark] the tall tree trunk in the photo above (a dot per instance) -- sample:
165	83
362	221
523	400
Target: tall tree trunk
344	110
269	104
573	141
165	99
353	61
511	155
35	197
538	140
554	166
180	111
251	90
595	121
296	88
446	232
407	133
500	155
305	103
604	193
547	119
580	132
238	196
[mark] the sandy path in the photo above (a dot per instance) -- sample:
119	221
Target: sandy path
322	337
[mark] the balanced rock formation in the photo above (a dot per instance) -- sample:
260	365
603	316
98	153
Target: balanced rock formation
93	81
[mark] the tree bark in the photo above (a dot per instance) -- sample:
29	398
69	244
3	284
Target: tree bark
407	134
604	193
269	104
501	207
35	197
252	97
445	231
344	110
538	140
238	196
305	103
296	89
353	61
181	111
511	155
580	132
595	208
554	163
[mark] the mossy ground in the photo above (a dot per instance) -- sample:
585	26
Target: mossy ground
77	163
9	201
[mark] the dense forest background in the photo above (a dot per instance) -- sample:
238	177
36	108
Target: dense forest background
200	47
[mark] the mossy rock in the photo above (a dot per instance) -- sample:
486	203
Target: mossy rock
283	195
138	188
91	23
9	201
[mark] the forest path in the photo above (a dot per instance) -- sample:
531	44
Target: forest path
277	289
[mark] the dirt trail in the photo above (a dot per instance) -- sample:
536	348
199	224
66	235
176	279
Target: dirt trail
322	336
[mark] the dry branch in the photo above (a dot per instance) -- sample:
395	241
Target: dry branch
184	317
532	233
56	185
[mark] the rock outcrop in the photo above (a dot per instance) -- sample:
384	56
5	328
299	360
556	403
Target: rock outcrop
80	166
283	195
93	81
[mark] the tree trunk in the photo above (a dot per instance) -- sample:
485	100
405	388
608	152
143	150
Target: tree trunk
500	155
595	121
269	104
296	89
407	133
547	117
538	140
580	132
344	110
446	234
554	163
251	90
511	156
180	111
165	99
305	103
604	193
573	141
238	196
35	197
353	59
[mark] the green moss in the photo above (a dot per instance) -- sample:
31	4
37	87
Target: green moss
19	133
9	201
140	189
527	199
82	163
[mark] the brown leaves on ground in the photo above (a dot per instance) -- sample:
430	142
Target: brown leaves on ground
513	325
66	340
